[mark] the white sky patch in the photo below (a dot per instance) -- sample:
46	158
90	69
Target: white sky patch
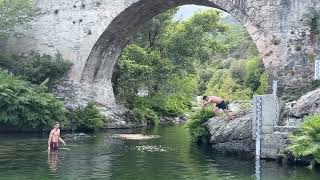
186	11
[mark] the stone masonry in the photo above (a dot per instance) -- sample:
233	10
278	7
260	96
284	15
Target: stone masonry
92	34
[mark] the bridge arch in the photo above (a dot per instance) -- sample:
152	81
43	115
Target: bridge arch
107	49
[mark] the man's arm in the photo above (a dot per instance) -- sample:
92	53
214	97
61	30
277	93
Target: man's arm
61	140
49	140
204	105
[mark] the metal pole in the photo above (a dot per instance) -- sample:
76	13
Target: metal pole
317	70
274	87
258	136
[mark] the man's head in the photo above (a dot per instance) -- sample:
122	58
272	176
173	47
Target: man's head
56	125
204	98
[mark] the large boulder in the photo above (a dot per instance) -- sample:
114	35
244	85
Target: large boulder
308	104
294	112
232	135
119	117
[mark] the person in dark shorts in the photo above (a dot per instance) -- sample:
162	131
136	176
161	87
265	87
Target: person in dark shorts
54	138
220	104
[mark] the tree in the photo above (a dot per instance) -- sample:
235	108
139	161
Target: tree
140	69
153	30
15	12
193	41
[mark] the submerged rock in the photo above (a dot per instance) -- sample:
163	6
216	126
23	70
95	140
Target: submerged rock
135	136
75	136
232	135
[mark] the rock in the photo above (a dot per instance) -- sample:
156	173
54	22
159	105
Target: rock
240	106
166	121
294	112
119	117
308	104
75	137
234	135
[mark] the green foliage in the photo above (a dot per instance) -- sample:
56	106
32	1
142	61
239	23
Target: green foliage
238	70
192	41
140	69
146	115
196	124
172	62
174	50
254	69
307	141
86	119
153	31
315	84
263	88
22	105
238	43
15	12
37	68
222	84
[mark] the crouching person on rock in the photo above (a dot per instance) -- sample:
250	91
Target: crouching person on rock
219	102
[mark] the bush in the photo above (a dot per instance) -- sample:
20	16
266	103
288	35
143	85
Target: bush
307	141
86	119
238	70
254	69
146	115
155	106
147	109
37	68
22	105
263	88
196	127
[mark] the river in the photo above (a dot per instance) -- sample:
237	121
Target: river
170	156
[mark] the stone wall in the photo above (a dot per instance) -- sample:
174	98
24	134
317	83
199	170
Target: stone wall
92	33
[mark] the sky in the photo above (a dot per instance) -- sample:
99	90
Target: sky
187	11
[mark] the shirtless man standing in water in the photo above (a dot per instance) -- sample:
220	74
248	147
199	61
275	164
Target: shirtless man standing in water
220	104
54	138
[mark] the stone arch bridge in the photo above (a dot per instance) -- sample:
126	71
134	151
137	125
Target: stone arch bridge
92	33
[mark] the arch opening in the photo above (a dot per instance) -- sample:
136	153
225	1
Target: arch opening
104	54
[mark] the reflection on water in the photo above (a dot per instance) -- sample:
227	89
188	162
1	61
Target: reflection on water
53	160
135	136
170	156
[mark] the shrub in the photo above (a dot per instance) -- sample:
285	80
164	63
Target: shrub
307	141
23	105
263	88
146	109
155	106
196	127
145	114
37	68
254	69
86	119
238	70
176	104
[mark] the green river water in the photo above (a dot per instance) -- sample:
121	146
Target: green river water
171	156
